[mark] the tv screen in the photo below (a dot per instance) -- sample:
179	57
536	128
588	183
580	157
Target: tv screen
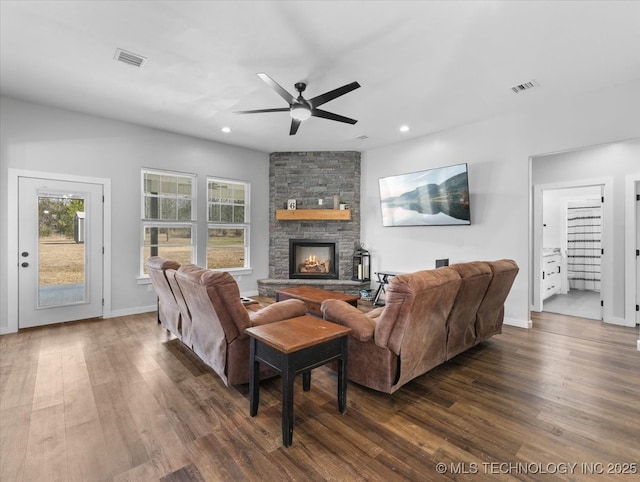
426	198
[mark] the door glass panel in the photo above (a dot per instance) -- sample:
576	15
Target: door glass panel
61	250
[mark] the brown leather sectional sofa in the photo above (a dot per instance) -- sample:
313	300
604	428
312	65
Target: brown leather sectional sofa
203	308
429	317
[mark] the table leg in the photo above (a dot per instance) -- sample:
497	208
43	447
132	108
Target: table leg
342	377
382	280
288	377
377	295
254	379
306	380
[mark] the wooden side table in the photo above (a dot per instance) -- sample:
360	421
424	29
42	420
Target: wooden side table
296	346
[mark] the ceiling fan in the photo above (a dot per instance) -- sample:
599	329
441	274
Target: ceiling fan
300	108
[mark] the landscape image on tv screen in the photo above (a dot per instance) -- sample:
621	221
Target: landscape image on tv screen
425	198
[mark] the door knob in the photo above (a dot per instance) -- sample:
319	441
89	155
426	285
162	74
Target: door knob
24	265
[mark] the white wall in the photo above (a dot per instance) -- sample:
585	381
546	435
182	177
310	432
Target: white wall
40	138
498	152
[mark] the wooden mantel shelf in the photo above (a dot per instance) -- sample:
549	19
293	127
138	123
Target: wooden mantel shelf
313	215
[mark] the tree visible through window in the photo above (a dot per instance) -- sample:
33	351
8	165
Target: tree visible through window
228	224
168	218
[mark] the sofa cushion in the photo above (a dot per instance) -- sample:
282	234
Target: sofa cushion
419	335
423	295
491	311
157	262
225	296
208	339
338	311
168	310
411	330
278	311
219	320
461	324
185	324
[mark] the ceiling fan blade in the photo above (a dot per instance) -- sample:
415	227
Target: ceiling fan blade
260	111
331	116
278	88
332	94
295	123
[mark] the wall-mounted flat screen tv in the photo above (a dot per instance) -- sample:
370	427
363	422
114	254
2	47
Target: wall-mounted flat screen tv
437	196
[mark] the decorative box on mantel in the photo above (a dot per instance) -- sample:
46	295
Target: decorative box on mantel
313	215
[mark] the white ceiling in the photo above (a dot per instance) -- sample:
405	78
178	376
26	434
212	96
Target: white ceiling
431	65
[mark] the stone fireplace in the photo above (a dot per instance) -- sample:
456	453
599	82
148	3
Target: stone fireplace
313	259
313	179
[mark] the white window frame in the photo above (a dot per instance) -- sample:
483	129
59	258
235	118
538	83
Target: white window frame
246	225
146	223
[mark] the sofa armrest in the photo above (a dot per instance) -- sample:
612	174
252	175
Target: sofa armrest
345	314
282	310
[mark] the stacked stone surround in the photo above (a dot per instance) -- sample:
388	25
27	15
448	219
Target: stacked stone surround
307	177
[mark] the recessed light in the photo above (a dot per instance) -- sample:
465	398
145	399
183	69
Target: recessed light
404	128
226	129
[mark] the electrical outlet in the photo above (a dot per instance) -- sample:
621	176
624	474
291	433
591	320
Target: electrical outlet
319	202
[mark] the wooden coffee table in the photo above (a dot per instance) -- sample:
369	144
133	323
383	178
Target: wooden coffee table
313	297
296	346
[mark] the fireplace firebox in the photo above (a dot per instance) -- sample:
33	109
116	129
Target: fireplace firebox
313	259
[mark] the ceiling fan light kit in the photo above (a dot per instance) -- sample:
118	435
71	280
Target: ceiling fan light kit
300	112
301	109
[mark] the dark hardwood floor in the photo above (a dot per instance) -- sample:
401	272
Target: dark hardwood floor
120	399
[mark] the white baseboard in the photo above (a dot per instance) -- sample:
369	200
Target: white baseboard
5	330
132	311
249	294
518	323
618	321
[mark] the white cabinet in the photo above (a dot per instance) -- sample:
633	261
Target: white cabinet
551	277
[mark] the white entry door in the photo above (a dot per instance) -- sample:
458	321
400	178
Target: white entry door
60	258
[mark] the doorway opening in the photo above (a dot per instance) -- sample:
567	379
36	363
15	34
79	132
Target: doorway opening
610	164
550	235
572	223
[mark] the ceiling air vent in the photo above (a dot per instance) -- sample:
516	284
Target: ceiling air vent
129	58
525	86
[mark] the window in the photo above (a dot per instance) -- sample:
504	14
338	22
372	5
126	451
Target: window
168	216
169	208
228	224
